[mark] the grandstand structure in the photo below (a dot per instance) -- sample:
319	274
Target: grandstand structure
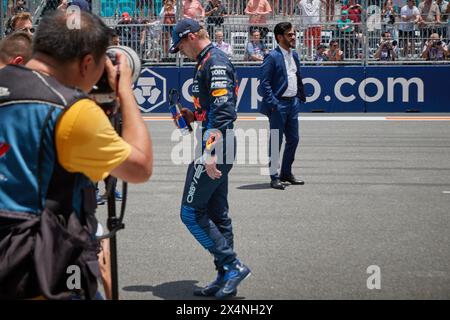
149	35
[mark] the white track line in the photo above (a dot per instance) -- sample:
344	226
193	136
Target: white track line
325	118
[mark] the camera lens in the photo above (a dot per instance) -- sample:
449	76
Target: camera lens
133	59
102	91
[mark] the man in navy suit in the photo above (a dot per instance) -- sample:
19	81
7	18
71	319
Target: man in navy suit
281	87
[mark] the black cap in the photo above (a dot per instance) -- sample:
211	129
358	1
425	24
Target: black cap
181	30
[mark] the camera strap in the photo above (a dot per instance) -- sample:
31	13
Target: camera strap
115	223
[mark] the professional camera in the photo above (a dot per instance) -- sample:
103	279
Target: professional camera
437	43
102	93
390	44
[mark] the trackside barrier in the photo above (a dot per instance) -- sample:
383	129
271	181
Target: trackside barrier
328	89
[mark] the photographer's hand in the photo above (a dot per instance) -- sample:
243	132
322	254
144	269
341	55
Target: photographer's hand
123	70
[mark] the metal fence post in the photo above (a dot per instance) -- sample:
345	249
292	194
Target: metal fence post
179	59
365	34
96	7
2	13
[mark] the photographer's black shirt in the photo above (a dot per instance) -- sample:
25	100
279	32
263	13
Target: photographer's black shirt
435	54
385	54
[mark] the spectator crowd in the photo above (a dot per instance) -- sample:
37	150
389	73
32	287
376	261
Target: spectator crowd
327	30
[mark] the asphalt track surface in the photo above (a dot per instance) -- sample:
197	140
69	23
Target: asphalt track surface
377	193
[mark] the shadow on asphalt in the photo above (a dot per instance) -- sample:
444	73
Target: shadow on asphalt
177	290
256	186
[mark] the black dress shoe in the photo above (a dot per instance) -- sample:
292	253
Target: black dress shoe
276	184
292	180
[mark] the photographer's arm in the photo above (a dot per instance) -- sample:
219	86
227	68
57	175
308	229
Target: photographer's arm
139	164
426	50
378	52
339	54
394	53
446	52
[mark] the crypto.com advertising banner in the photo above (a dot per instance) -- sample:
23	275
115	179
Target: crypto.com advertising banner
328	89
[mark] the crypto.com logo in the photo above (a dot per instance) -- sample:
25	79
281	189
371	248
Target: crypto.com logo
148	92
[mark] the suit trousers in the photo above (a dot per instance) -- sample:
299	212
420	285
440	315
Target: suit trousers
284	119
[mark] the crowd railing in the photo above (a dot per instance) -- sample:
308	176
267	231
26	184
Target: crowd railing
356	44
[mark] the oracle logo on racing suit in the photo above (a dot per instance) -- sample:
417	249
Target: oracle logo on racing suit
199	169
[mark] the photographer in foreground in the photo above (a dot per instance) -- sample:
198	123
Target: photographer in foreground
387	49
54	143
434	49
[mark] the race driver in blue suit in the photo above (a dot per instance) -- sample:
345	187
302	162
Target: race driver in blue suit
204	208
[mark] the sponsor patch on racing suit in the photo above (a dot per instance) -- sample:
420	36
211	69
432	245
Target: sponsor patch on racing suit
214	91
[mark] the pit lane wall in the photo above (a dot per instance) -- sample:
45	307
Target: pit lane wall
328	88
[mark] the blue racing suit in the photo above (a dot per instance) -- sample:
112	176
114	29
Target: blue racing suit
204	208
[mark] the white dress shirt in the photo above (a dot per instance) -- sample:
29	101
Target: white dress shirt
291	70
224	46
